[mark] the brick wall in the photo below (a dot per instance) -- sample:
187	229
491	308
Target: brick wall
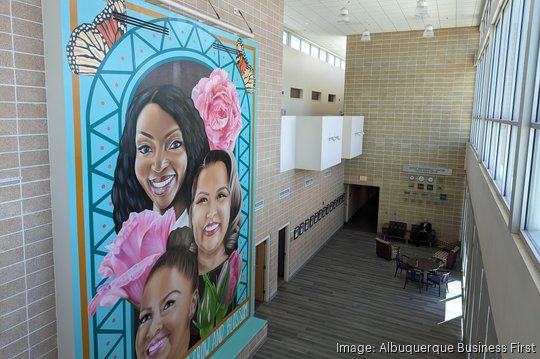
416	95
27	298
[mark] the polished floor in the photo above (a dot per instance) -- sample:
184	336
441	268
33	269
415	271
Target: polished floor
347	295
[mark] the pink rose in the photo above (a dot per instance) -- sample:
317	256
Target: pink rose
217	101
134	251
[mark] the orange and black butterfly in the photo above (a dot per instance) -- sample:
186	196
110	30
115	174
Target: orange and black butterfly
248	74
89	43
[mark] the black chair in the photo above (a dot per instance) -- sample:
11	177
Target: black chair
401	264
414	275
439	278
419	237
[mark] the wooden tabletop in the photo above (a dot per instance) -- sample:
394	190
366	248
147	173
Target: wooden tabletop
424	264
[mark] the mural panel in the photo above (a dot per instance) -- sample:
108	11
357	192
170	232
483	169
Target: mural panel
162	129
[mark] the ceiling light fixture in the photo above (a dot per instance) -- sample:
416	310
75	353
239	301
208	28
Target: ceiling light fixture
428	32
366	36
344	16
421	8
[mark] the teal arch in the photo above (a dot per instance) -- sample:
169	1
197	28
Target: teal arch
136	54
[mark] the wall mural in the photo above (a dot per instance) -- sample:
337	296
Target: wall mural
162	129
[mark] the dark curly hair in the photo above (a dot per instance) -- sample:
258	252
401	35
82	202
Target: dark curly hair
127	193
235	219
179	256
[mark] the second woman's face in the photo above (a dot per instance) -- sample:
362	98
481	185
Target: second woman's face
161	158
211	209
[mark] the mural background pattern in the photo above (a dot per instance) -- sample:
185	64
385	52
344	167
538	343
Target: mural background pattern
136	53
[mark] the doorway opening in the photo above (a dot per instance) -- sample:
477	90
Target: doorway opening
283	255
362	208
261	273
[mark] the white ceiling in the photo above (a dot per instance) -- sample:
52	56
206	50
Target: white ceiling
317	20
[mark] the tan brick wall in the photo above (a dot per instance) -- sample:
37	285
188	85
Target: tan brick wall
27	298
416	95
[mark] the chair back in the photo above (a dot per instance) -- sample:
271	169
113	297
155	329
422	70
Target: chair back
445	275
415	228
439	276
401	261
452	256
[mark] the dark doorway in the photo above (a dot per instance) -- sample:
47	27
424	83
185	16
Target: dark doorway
281	253
363	208
260	267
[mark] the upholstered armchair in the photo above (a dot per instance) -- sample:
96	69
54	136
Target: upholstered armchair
386	250
418	237
447	257
395	229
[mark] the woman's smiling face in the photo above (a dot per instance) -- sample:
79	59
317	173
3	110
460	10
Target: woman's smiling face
211	209
161	158
166	308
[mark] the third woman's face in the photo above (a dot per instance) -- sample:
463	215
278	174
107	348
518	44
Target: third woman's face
167	305
161	158
211	209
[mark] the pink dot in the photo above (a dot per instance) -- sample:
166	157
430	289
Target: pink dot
122	58
109	166
116	84
102	103
110	204
108	342
141	51
170	37
102	186
114	320
103	225
114	357
108	128
102	148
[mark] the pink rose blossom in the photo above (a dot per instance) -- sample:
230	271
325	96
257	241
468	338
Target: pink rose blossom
217	101
138	245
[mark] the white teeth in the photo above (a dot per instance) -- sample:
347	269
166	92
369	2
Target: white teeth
212	227
156	345
160	184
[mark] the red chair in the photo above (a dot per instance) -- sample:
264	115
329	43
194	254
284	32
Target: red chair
386	250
